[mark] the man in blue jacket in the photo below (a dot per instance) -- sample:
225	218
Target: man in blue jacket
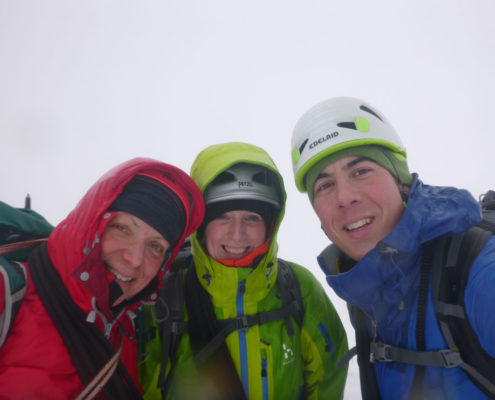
379	216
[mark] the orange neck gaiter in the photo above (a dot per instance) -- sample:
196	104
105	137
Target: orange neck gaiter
247	261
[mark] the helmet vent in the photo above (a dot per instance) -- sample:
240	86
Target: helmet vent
369	110
265	178
224	177
302	146
348	125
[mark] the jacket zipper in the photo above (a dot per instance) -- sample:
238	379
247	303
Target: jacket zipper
91	318
242	339
264	374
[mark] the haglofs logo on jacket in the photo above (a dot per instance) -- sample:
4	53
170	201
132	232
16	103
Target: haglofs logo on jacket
288	355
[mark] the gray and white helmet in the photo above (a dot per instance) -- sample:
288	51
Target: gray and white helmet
245	181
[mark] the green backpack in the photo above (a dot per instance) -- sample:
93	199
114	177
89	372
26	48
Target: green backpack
20	230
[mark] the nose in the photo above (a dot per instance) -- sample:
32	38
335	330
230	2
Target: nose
134	254
237	229
346	193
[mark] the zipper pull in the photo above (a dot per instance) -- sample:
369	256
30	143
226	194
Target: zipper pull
374	325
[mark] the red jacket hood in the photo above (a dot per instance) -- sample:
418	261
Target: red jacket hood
74	247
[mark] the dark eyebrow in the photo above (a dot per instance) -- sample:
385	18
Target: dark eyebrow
356	161
349	165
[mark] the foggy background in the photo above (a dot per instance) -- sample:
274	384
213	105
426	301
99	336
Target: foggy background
86	85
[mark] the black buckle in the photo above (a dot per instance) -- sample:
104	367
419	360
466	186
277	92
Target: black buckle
380	352
242	323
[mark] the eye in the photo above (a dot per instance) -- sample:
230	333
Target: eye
223	217
323	185
253	218
119	227
157	249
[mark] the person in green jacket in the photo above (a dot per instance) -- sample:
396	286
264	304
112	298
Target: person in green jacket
235	263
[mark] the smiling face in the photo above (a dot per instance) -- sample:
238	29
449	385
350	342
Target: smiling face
133	252
358	203
234	234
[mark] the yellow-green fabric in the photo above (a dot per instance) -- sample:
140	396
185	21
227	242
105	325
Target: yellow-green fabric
276	365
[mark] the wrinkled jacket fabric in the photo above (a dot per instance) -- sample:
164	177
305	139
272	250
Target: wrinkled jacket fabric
384	284
34	362
271	364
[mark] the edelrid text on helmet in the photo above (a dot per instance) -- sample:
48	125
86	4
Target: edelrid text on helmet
334	125
244	181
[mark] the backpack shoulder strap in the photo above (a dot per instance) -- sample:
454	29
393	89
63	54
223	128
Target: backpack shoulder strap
452	265
290	291
211	355
367	377
451	262
370	350
14	281
170	314
89	348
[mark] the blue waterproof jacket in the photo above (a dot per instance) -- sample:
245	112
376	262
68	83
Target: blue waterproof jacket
384	284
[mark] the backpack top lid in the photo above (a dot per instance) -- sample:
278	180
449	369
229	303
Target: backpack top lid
21	224
487	203
487	200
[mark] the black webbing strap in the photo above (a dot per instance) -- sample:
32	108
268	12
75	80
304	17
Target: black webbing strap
203	327
87	345
450	276
291	297
367	376
424	279
234	324
382	352
290	292
170	315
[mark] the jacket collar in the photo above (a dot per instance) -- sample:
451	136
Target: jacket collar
388	272
222	282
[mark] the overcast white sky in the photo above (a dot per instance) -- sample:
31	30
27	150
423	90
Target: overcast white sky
85	85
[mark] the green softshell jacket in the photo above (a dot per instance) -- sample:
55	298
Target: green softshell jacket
271	364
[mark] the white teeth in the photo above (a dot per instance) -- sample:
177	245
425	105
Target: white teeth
120	277
234	251
358	224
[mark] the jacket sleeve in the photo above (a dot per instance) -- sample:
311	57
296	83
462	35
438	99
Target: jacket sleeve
323	341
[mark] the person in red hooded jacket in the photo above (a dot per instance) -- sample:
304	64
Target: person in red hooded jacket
73	336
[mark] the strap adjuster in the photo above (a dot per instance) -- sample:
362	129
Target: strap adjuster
380	352
242	323
451	358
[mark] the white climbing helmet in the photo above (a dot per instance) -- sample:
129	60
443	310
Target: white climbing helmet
334	125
